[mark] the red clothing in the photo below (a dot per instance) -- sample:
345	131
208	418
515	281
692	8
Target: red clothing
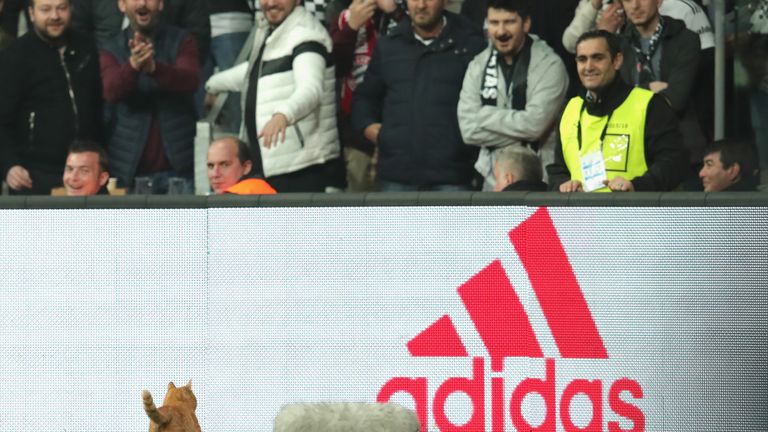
352	51
122	80
251	186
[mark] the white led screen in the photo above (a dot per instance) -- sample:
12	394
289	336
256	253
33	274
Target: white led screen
495	318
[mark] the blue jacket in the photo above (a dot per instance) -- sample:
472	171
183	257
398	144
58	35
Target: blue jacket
130	119
413	90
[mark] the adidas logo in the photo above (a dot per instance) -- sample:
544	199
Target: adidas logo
505	329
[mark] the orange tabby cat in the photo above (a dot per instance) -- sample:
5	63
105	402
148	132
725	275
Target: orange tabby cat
177	413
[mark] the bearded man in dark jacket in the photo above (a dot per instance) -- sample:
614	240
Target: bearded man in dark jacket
51	95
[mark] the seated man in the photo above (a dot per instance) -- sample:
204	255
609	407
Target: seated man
728	167
518	169
229	166
85	172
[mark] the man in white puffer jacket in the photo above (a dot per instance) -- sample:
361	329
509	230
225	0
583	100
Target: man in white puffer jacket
288	98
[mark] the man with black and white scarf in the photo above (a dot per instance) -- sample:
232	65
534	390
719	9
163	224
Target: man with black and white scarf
513	91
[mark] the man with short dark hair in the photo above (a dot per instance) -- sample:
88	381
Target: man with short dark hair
615	137
231	169
150	73
50	95
406	103
288	98
728	167
518	169
86	170
513	91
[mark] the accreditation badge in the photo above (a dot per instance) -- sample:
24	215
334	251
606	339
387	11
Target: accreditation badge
593	171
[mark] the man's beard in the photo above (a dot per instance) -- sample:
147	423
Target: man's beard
147	30
58	41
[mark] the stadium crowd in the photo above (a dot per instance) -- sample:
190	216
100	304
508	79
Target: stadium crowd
371	95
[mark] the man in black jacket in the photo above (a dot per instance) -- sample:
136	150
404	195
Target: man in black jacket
407	101
51	94
662	55
614	138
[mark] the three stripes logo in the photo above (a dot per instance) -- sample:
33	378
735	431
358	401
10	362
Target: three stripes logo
505	329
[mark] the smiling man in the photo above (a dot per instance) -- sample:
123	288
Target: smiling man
51	95
614	137
288	95
728	167
150	74
513	90
85	172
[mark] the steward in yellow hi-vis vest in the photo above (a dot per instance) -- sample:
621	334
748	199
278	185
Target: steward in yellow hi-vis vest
615	137
618	136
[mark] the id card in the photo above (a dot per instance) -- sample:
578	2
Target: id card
593	171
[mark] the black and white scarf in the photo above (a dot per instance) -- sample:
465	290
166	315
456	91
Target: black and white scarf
489	86
644	71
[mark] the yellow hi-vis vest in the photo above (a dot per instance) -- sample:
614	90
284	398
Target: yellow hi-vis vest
624	145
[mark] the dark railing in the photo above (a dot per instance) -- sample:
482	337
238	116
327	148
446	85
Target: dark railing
408	199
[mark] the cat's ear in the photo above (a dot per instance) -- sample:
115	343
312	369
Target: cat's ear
171	385
189	384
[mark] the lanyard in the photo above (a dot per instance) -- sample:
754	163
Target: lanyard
602	134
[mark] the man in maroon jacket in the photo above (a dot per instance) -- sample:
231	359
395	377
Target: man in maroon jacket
150	74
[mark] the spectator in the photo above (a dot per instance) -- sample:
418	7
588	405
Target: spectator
407	101
615	137
289	98
513	90
51	95
85	172
663	56
150	73
728	167
549	18
231	22
355	28
231	169
609	15
104	19
518	169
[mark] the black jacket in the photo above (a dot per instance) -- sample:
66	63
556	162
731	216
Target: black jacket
680	59
665	156
38	121
104	19
413	90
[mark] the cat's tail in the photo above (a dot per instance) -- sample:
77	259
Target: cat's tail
152	412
